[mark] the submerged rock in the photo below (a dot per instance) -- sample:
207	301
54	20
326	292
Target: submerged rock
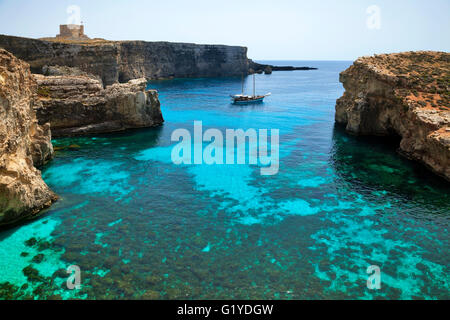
38	258
24	144
402	94
32	274
76	105
151	295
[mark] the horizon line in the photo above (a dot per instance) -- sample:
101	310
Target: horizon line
287	60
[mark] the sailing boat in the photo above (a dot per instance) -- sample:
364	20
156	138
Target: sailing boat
245	99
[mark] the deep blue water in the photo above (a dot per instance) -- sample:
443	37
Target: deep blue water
141	227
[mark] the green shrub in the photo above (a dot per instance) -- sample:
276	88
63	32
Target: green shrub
44	92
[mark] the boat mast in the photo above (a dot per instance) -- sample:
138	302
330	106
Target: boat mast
242	84
254	86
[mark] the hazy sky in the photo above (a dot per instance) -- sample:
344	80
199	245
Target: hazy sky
281	29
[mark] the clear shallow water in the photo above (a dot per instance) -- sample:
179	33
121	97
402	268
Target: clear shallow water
140	227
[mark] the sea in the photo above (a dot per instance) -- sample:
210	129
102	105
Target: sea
345	217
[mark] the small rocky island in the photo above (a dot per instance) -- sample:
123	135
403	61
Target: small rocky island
402	94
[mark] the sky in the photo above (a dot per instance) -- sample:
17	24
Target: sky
272	30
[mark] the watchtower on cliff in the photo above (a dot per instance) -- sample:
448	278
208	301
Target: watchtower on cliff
72	32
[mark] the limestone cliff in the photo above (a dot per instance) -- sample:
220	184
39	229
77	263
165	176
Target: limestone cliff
156	60
76	105
406	94
23	144
121	61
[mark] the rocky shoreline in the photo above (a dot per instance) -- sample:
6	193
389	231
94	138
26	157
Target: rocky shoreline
66	102
121	61
78	105
403	94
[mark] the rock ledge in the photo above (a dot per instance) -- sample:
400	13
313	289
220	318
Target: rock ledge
77	105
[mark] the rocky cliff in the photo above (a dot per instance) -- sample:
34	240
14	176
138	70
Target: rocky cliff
121	61
155	60
78	104
23	144
405	94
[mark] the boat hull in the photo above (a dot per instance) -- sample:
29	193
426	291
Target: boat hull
251	101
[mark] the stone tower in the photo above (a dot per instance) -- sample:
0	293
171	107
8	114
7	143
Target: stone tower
72	32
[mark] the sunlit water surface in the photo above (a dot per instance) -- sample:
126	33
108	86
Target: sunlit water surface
139	226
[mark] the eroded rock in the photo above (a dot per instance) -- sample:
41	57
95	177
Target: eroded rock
76	105
24	144
406	94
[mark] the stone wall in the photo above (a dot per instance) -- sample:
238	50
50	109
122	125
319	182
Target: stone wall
71	31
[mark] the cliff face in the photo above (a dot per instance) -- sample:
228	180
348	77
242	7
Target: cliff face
101	59
154	60
76	105
121	61
406	94
23	144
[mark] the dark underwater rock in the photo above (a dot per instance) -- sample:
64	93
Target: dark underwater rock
38	258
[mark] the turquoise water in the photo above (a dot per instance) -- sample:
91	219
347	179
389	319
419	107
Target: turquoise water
139	226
